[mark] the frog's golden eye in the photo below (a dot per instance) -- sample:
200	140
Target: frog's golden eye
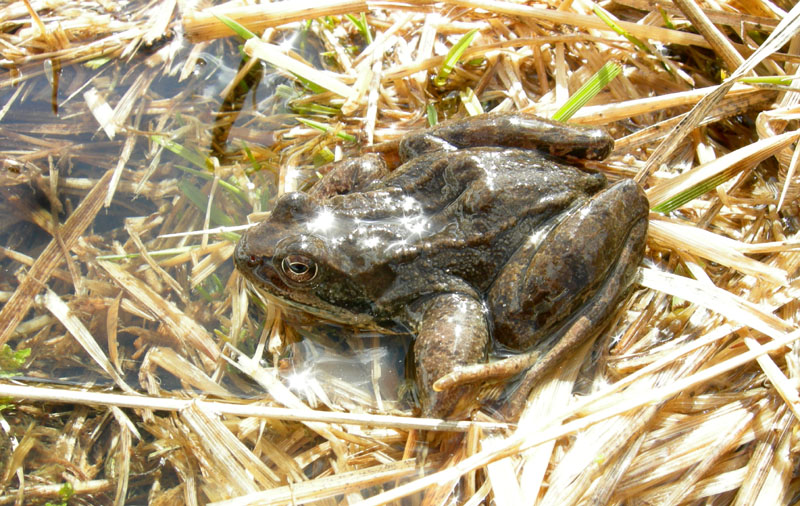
296	260
299	268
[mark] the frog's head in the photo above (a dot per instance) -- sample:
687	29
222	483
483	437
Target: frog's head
299	256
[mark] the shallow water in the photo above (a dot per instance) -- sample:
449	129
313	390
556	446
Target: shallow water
167	118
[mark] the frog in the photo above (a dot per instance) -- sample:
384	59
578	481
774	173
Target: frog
491	237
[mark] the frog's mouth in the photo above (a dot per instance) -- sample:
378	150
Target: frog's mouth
319	309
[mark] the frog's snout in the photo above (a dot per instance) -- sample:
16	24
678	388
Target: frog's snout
244	259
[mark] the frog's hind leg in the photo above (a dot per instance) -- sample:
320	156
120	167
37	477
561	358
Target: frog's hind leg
350	175
587	326
563	288
515	130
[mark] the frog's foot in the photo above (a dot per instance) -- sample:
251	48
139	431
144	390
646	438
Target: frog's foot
578	333
499	369
453	333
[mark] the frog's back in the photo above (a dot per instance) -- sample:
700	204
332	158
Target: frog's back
461	216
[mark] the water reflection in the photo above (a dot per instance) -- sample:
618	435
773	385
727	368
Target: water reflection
346	369
187	145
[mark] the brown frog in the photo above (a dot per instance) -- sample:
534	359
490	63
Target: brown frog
485	236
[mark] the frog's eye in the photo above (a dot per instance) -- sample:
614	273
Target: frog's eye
299	260
299	268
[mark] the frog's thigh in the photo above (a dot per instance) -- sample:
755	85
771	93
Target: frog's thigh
350	175
453	333
543	287
588	322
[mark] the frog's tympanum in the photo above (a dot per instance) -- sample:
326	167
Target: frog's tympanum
486	236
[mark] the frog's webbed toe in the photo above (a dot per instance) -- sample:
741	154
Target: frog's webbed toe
499	369
453	333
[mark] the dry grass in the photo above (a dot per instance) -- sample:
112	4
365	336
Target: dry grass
690	397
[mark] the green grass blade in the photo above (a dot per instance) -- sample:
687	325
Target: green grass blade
453	56
225	185
309	84
362	26
187	154
666	19
326	128
433	114
236	27
312	108
96	63
251	157
367	32
323	157
605	16
588	91
774	80
692	193
200	200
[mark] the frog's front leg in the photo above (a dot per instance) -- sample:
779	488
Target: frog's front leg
350	175
453	333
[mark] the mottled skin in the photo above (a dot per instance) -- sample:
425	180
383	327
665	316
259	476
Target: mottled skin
481	234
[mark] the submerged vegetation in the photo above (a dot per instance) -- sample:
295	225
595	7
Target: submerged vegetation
139	138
